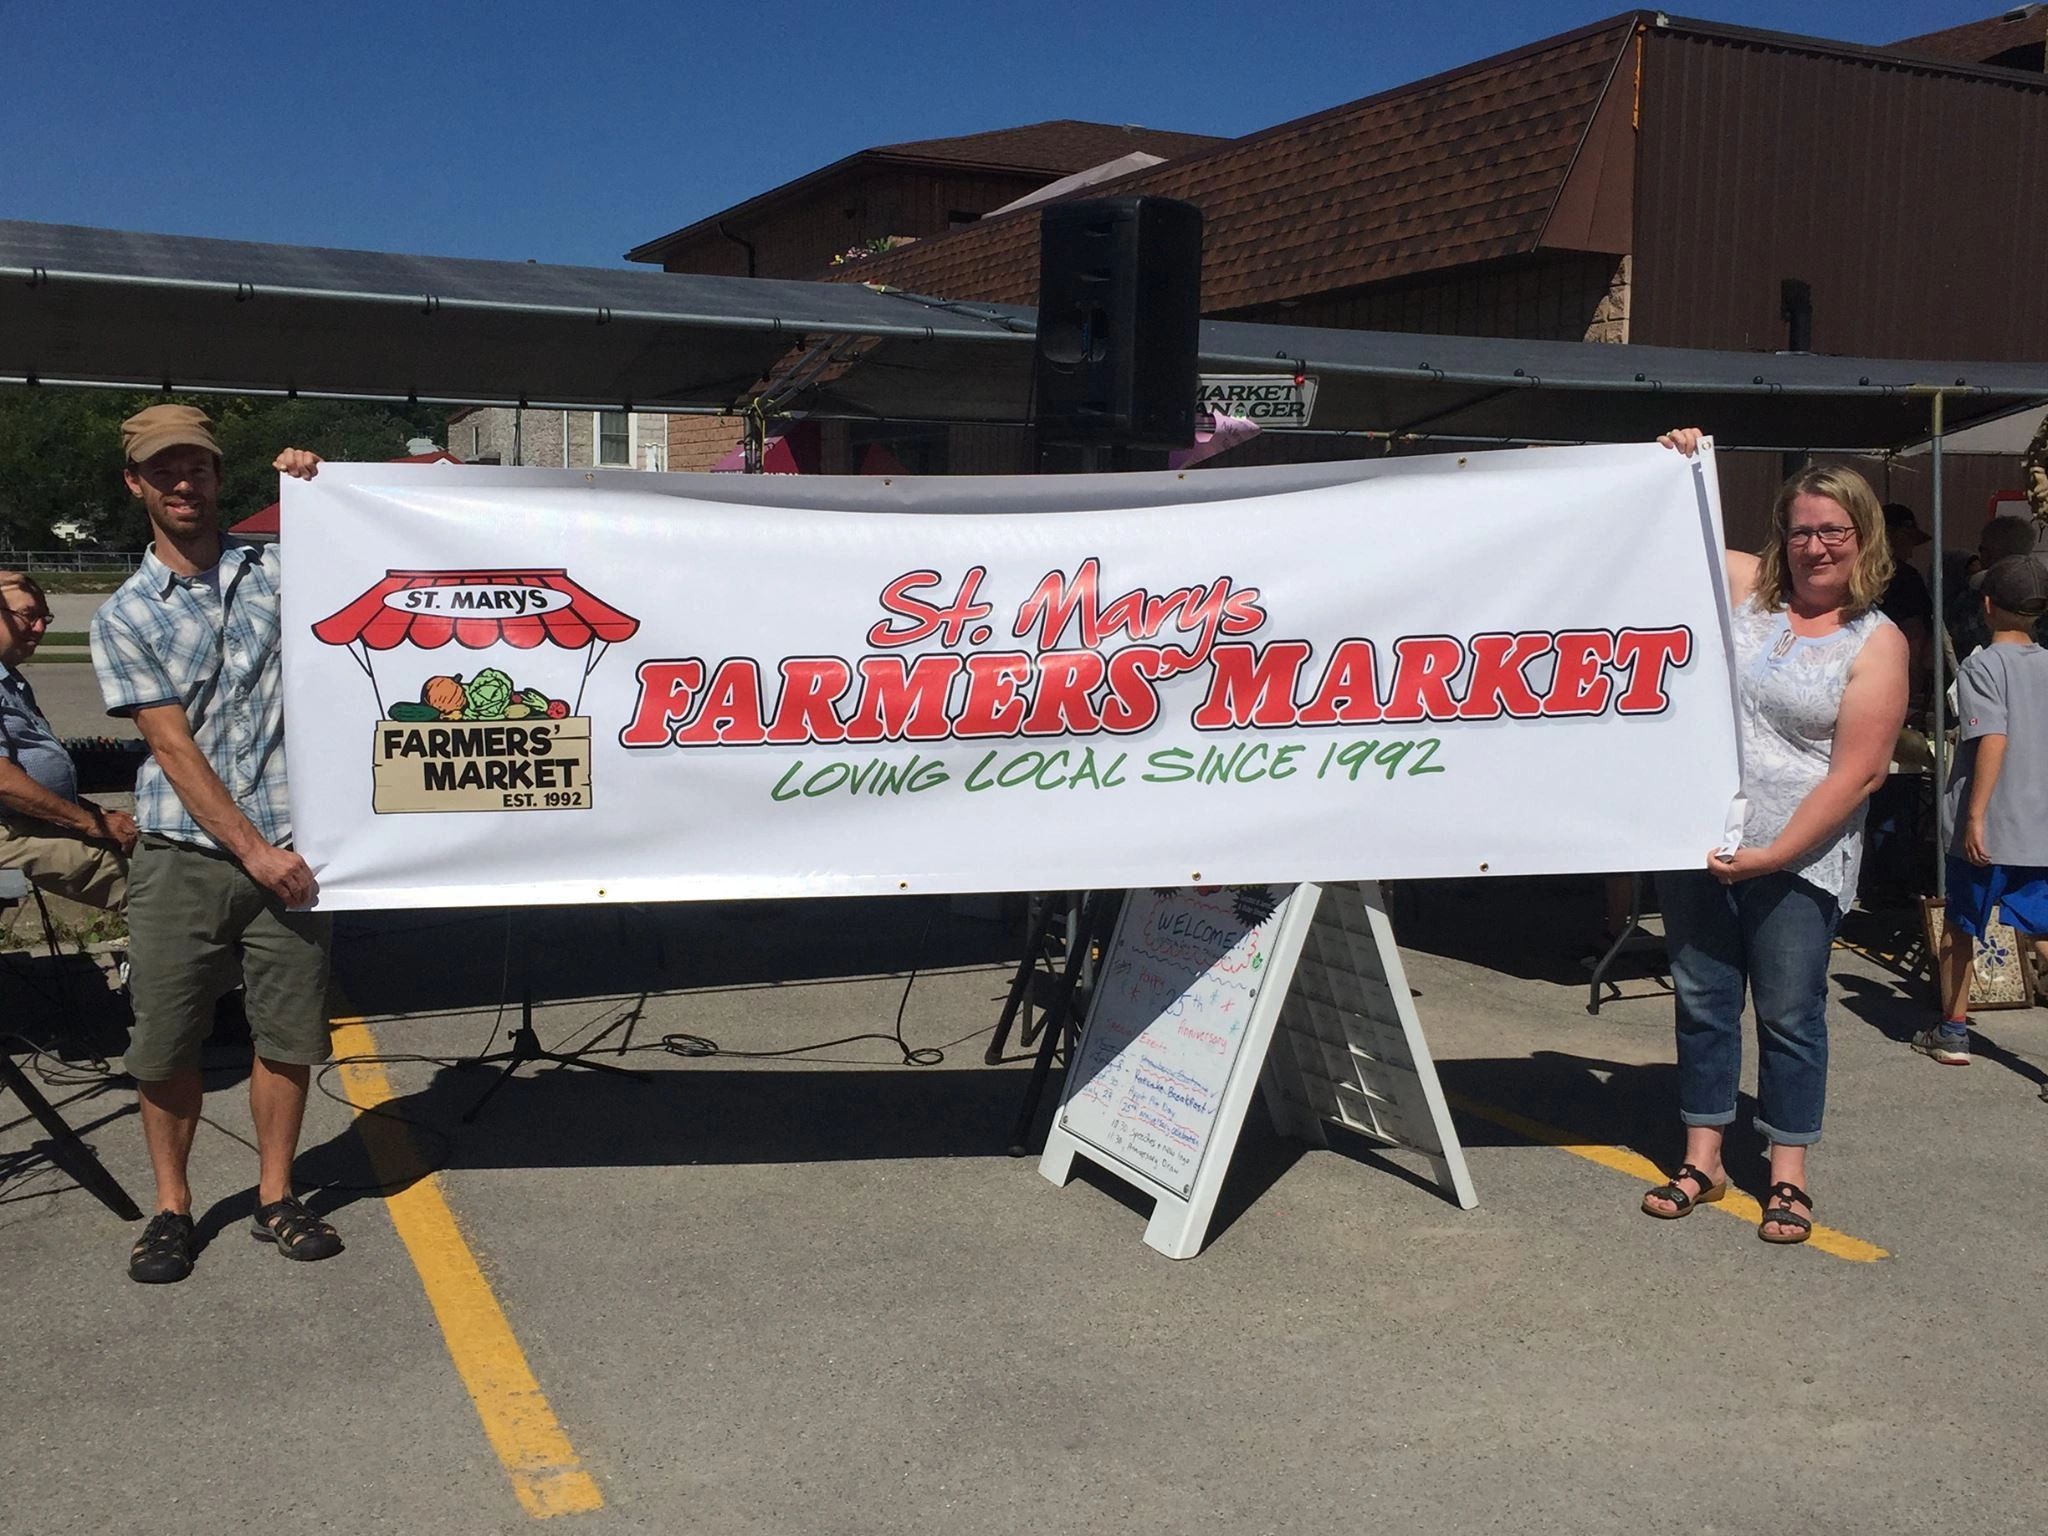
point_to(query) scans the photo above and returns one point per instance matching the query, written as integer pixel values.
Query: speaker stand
(1060, 1031)
(526, 1047)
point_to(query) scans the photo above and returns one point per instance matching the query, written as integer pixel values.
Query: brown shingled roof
(1063, 146)
(1462, 167)
(1051, 149)
(1986, 42)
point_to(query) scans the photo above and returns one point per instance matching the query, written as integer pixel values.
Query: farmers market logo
(511, 735)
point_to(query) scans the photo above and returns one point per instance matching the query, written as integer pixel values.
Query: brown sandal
(1708, 1193)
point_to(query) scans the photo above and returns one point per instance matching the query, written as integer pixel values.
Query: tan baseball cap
(148, 433)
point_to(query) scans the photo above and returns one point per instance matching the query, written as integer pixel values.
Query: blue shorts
(1974, 889)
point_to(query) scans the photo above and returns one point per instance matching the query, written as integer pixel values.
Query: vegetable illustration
(447, 695)
(490, 695)
(489, 692)
(422, 611)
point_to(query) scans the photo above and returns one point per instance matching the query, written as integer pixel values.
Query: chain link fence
(110, 562)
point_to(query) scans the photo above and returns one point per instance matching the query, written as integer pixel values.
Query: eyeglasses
(29, 616)
(1833, 537)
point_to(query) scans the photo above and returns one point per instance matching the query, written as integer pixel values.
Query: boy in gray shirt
(1997, 792)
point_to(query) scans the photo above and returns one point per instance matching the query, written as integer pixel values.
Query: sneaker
(1949, 1047)
(163, 1254)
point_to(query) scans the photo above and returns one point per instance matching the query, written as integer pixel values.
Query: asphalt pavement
(62, 674)
(811, 1293)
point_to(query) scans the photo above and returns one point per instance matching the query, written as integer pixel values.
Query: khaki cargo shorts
(197, 924)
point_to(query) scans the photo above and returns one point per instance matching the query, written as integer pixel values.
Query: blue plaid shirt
(27, 741)
(168, 639)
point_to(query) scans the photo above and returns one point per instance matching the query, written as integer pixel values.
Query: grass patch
(27, 930)
(66, 637)
(40, 660)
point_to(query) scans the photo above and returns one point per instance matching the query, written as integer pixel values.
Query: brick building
(888, 196)
(503, 434)
(901, 192)
(1645, 179)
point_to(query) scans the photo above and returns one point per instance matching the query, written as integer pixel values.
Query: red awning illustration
(379, 627)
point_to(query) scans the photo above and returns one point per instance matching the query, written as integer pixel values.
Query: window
(476, 442)
(614, 439)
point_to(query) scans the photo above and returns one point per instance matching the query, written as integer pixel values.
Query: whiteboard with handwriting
(1168, 1020)
(1196, 989)
(1178, 1024)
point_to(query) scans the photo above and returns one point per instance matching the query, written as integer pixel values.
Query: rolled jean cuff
(1787, 1138)
(1724, 1117)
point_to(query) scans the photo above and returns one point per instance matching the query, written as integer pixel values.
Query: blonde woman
(1821, 676)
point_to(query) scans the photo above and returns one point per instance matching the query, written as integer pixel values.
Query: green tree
(60, 459)
(60, 453)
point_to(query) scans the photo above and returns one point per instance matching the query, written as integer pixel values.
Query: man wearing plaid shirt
(188, 647)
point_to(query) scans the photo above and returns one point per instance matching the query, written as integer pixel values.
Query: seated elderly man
(65, 845)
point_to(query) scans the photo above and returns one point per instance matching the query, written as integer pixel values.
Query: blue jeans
(1776, 934)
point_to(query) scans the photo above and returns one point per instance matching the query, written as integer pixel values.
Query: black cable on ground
(64, 1074)
(679, 1044)
(913, 1056)
(432, 1165)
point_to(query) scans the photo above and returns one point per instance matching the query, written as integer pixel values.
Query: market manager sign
(553, 686)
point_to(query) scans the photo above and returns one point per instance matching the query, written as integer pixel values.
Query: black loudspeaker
(1119, 316)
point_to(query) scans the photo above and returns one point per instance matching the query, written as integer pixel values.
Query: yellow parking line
(1734, 1203)
(545, 1471)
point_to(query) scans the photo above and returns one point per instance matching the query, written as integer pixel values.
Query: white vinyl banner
(528, 686)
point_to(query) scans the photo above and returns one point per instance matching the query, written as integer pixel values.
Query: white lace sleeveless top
(1791, 690)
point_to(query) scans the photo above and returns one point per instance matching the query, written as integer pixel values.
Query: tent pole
(755, 427)
(1941, 826)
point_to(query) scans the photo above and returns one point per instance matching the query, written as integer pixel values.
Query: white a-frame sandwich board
(1205, 993)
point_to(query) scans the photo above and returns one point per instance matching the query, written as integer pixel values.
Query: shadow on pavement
(564, 1118)
(60, 1004)
(1984, 1048)
(1596, 1103)
(448, 960)
(1885, 1008)
(45, 1167)
(1535, 928)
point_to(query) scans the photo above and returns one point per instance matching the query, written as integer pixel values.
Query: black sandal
(298, 1233)
(1778, 1210)
(163, 1254)
(1709, 1192)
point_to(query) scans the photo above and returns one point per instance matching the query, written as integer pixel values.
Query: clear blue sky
(569, 132)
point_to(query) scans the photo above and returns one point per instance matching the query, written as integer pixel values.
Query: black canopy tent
(94, 307)
(100, 307)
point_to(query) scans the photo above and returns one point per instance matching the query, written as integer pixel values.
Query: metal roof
(103, 306)
(99, 307)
